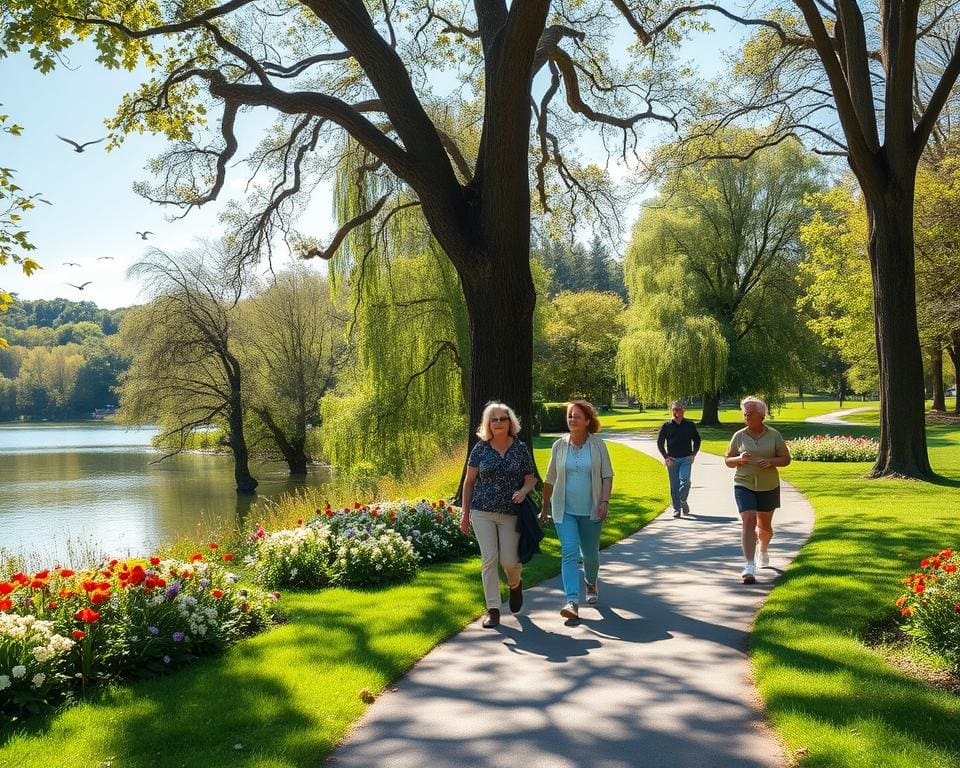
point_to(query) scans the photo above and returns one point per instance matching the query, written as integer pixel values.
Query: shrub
(372, 558)
(124, 619)
(553, 417)
(834, 448)
(295, 557)
(931, 606)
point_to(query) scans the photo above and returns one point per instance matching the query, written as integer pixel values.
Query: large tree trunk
(711, 411)
(292, 449)
(501, 307)
(936, 364)
(246, 483)
(903, 445)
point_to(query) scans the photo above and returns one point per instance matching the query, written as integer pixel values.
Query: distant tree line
(62, 361)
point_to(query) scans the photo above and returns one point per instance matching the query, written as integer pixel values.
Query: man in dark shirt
(678, 442)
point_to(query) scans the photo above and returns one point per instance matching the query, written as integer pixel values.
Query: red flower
(5, 603)
(100, 596)
(66, 573)
(113, 563)
(87, 615)
(65, 592)
(38, 584)
(950, 568)
(299, 521)
(52, 605)
(956, 608)
(88, 585)
(245, 607)
(920, 586)
(154, 561)
(6, 588)
(213, 545)
(946, 554)
(442, 503)
(196, 557)
(328, 512)
(217, 593)
(925, 562)
(78, 634)
(357, 505)
(45, 574)
(227, 556)
(137, 576)
(21, 578)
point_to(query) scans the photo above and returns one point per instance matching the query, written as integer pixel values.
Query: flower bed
(834, 448)
(931, 606)
(366, 545)
(62, 631)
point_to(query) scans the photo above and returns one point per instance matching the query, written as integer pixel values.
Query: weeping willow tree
(712, 275)
(405, 402)
(668, 350)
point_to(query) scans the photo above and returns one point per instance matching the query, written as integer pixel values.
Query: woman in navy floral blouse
(500, 473)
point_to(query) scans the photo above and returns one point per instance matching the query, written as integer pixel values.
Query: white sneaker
(570, 611)
(763, 559)
(749, 574)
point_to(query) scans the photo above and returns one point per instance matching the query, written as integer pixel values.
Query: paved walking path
(837, 417)
(655, 675)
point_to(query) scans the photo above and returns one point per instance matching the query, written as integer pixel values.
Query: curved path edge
(836, 417)
(655, 675)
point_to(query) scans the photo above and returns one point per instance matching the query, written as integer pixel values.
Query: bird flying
(70, 264)
(81, 286)
(79, 147)
(104, 258)
(143, 235)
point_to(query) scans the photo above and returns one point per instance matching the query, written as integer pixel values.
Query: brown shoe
(492, 619)
(516, 597)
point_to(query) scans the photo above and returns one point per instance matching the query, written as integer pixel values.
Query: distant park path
(837, 417)
(656, 675)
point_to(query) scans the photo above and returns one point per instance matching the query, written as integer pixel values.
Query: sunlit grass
(288, 696)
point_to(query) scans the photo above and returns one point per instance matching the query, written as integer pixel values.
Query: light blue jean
(679, 472)
(578, 535)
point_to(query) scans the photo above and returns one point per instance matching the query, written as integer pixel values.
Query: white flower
(19, 671)
(38, 679)
(5, 682)
(41, 653)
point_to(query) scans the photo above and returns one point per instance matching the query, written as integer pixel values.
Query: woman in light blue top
(577, 490)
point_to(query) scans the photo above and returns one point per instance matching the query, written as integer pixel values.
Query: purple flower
(204, 583)
(173, 590)
(166, 659)
(178, 637)
(153, 630)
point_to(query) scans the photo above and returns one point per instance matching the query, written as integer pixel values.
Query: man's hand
(667, 461)
(465, 524)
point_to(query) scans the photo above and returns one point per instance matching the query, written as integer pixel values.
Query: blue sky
(94, 211)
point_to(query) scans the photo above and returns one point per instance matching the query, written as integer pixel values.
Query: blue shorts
(756, 501)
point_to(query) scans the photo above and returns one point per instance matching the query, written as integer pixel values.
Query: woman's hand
(762, 462)
(465, 523)
(744, 457)
(519, 496)
(602, 509)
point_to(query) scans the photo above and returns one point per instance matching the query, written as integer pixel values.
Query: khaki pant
(498, 538)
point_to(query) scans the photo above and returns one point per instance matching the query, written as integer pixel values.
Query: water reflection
(95, 483)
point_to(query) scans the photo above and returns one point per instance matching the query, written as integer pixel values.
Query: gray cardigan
(557, 469)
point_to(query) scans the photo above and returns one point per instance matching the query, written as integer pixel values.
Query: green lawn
(289, 695)
(830, 698)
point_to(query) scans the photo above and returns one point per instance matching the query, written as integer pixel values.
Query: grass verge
(285, 698)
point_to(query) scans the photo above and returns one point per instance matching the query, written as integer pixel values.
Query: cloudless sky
(94, 211)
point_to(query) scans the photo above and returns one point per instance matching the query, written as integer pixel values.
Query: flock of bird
(79, 147)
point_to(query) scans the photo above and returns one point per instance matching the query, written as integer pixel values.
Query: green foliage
(552, 417)
(931, 606)
(711, 273)
(404, 403)
(838, 295)
(577, 358)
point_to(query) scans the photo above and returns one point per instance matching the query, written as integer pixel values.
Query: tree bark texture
(711, 411)
(903, 446)
(936, 366)
(246, 483)
(954, 351)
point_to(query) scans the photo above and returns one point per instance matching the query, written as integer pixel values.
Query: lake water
(93, 485)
